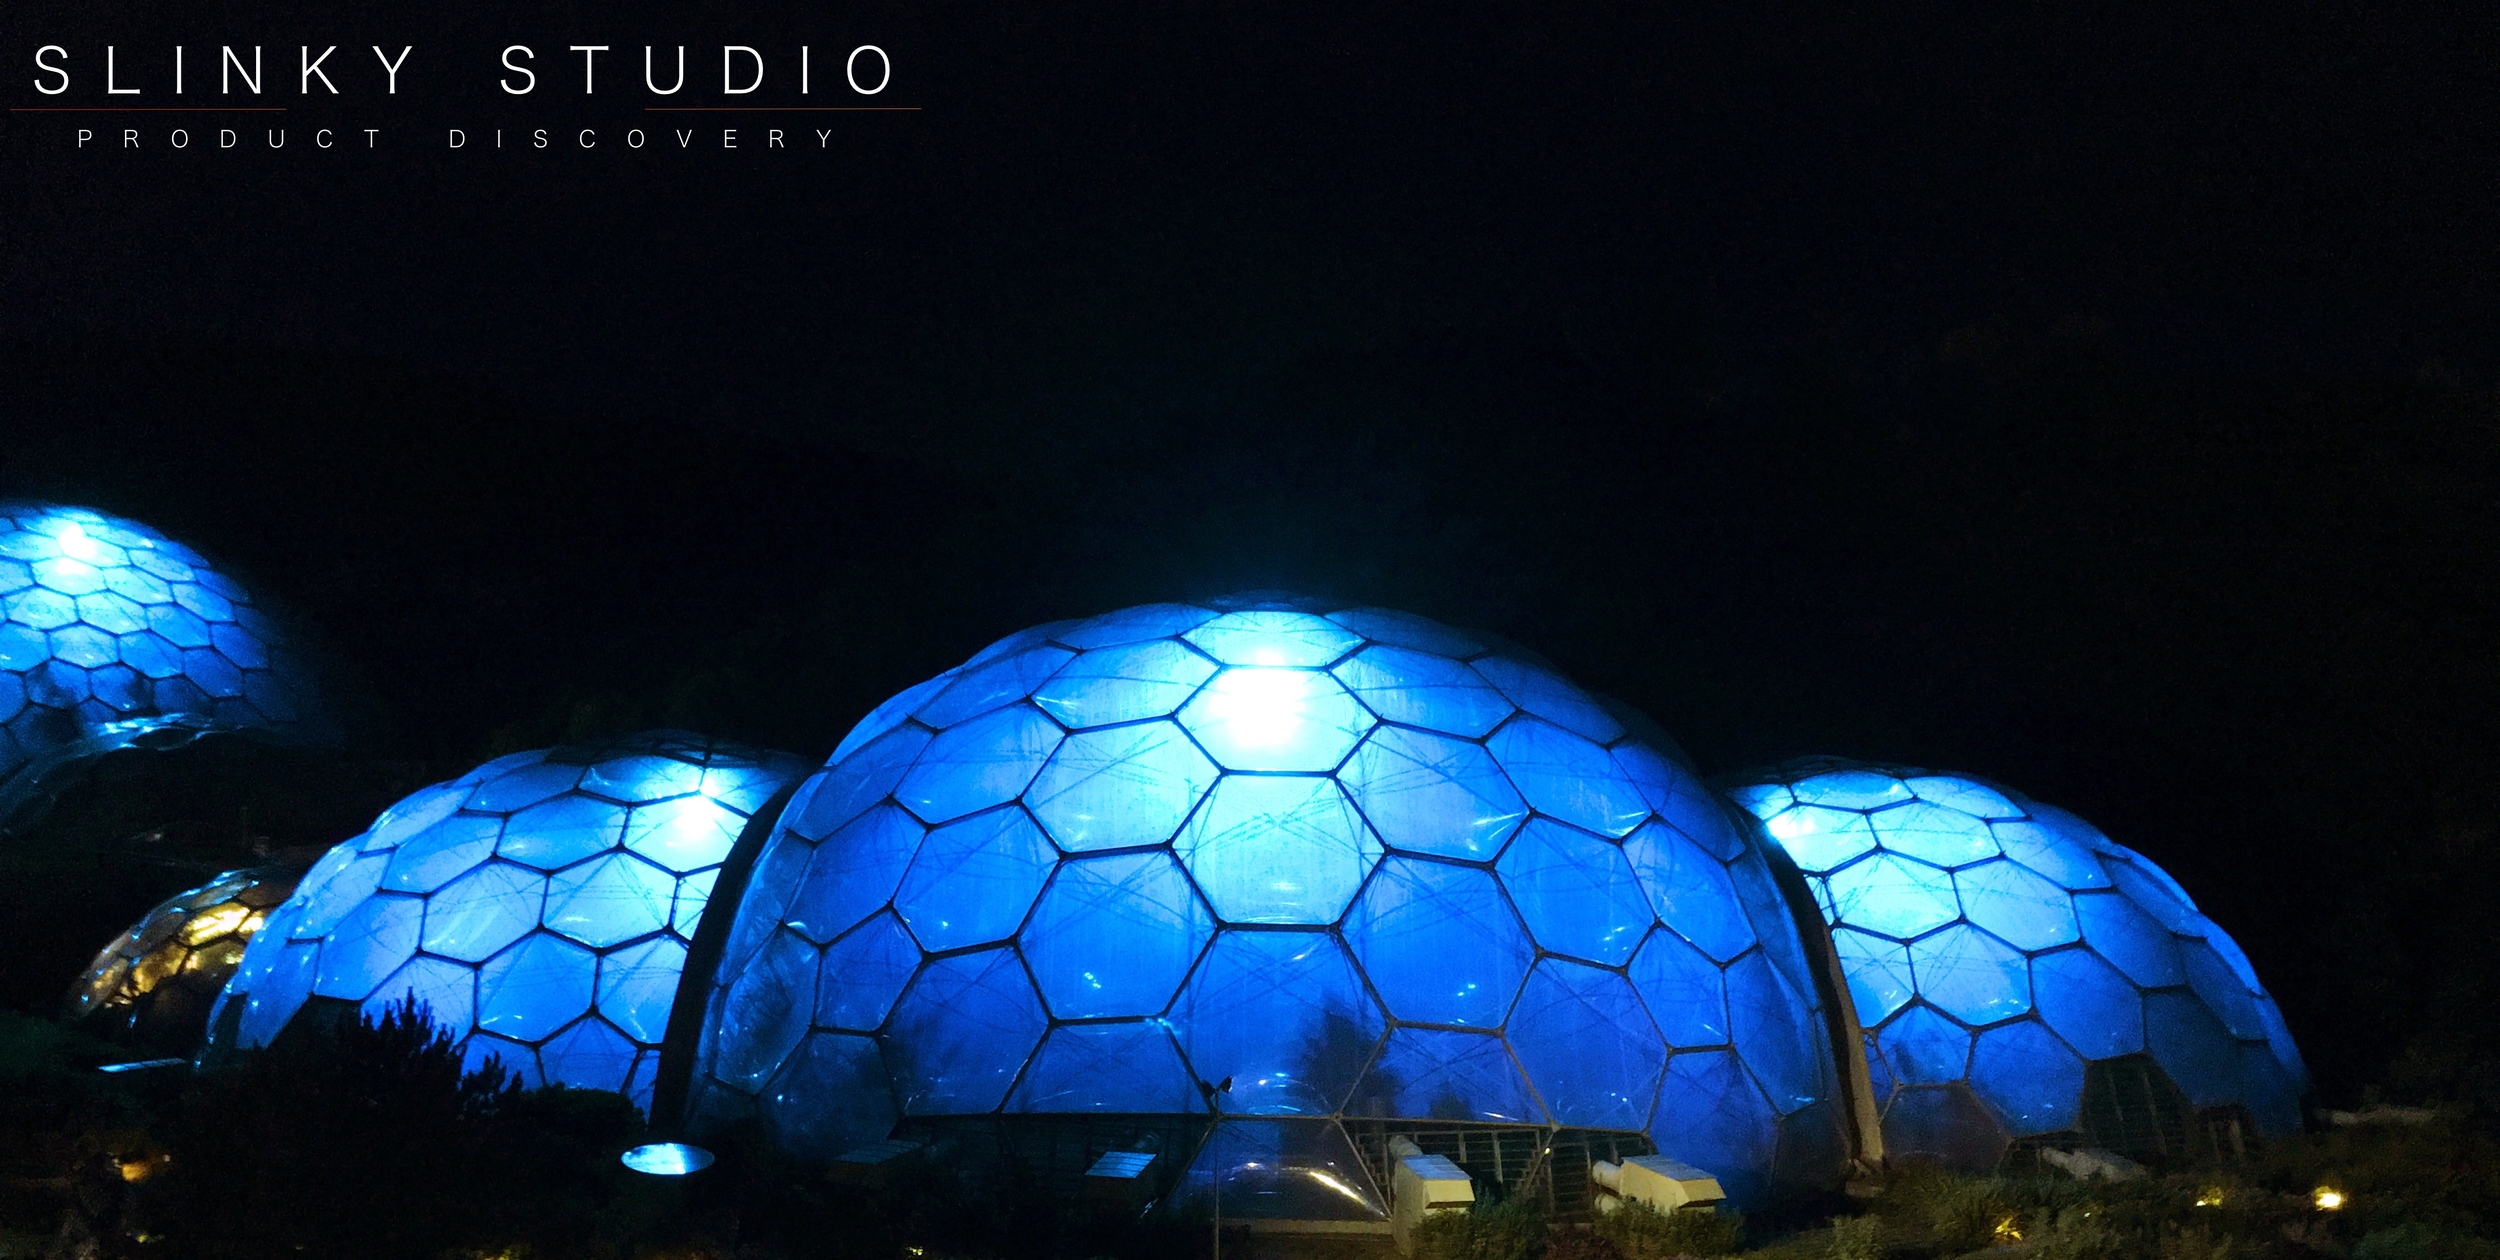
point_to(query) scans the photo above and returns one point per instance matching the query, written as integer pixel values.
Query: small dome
(155, 983)
(541, 906)
(1350, 861)
(2000, 953)
(113, 634)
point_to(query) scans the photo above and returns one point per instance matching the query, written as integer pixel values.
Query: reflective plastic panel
(112, 634)
(1995, 947)
(1356, 863)
(540, 907)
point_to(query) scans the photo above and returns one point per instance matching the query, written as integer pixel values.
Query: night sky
(2100, 398)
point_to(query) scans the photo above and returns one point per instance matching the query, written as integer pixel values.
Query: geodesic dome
(541, 906)
(114, 632)
(2000, 953)
(156, 982)
(1358, 865)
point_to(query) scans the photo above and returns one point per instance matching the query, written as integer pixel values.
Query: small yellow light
(2212, 1197)
(2008, 1232)
(2329, 1200)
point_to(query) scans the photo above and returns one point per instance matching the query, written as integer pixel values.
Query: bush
(1641, 1232)
(1957, 1214)
(1856, 1238)
(2421, 1241)
(1491, 1231)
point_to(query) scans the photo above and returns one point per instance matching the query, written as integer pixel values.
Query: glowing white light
(1260, 707)
(1329, 1179)
(75, 544)
(667, 1159)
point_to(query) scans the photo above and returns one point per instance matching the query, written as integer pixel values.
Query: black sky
(2099, 397)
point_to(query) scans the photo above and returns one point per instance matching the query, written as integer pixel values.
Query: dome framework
(2016, 975)
(1361, 868)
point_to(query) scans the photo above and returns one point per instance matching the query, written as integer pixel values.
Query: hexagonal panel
(766, 1010)
(1683, 990)
(1261, 637)
(2129, 938)
(555, 834)
(1878, 971)
(863, 973)
(1406, 630)
(477, 915)
(1134, 625)
(637, 987)
(1447, 1074)
(440, 853)
(1439, 942)
(1779, 1034)
(1278, 849)
(685, 834)
(1123, 684)
(1973, 976)
(1819, 839)
(1587, 1043)
(1420, 689)
(1434, 794)
(1128, 1068)
(2025, 909)
(1541, 692)
(984, 762)
(973, 880)
(1284, 1014)
(609, 901)
(985, 686)
(1896, 896)
(856, 871)
(1114, 935)
(1112, 789)
(826, 1067)
(1690, 890)
(369, 944)
(2088, 1003)
(1577, 893)
(1275, 719)
(961, 1032)
(1712, 1116)
(535, 988)
(1933, 834)
(1565, 776)
(1922, 1047)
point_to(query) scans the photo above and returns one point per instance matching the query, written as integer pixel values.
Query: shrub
(1641, 1232)
(1579, 1244)
(1856, 1238)
(2417, 1241)
(1490, 1231)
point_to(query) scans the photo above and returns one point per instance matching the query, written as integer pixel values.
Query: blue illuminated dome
(541, 906)
(113, 632)
(1359, 865)
(2019, 974)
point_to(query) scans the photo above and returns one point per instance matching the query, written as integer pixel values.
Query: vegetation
(367, 1138)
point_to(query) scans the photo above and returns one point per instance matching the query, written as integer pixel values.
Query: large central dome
(1357, 864)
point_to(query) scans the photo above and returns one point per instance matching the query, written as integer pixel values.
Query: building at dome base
(113, 635)
(1260, 886)
(540, 906)
(2020, 976)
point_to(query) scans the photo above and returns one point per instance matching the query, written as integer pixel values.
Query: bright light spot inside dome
(1330, 1180)
(667, 1159)
(75, 544)
(2329, 1200)
(1262, 707)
